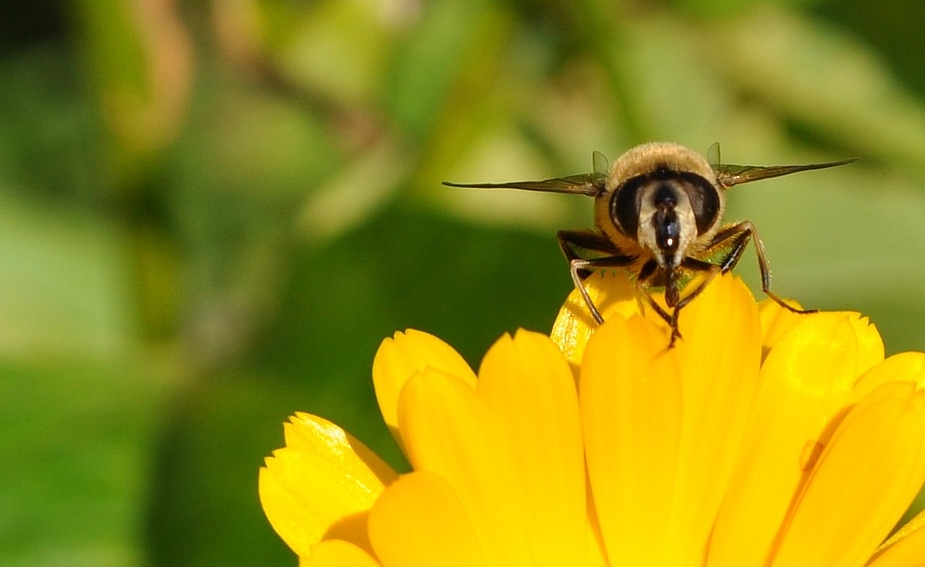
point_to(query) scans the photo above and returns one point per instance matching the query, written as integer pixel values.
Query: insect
(659, 214)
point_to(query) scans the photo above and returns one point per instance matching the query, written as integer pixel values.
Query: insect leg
(670, 318)
(677, 304)
(733, 237)
(737, 236)
(696, 265)
(647, 271)
(580, 268)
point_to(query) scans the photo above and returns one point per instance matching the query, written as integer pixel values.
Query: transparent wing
(714, 157)
(591, 184)
(728, 175)
(601, 165)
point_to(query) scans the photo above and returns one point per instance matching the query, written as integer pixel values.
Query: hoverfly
(659, 214)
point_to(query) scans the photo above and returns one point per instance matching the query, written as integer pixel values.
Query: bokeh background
(211, 213)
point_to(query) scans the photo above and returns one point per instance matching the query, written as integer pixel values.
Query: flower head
(762, 438)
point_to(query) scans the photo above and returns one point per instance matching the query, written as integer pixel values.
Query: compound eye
(704, 199)
(626, 204)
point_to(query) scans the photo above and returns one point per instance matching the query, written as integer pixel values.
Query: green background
(212, 213)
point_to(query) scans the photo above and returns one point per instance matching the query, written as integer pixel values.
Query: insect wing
(590, 184)
(714, 157)
(601, 165)
(728, 175)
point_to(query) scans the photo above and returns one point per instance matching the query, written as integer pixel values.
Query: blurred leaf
(309, 43)
(728, 8)
(141, 64)
(231, 185)
(51, 141)
(61, 279)
(453, 38)
(893, 32)
(681, 101)
(243, 143)
(356, 193)
(76, 439)
(203, 508)
(825, 80)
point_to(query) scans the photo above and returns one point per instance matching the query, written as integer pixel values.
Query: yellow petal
(401, 357)
(719, 356)
(868, 473)
(805, 381)
(870, 343)
(528, 386)
(663, 426)
(337, 553)
(612, 294)
(905, 366)
(448, 430)
(776, 321)
(905, 548)
(420, 522)
(630, 392)
(321, 485)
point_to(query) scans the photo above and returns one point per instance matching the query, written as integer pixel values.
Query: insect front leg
(737, 236)
(571, 241)
(646, 272)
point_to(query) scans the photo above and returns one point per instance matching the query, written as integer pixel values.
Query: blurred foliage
(211, 214)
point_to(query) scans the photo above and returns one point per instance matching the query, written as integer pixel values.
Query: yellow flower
(762, 438)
